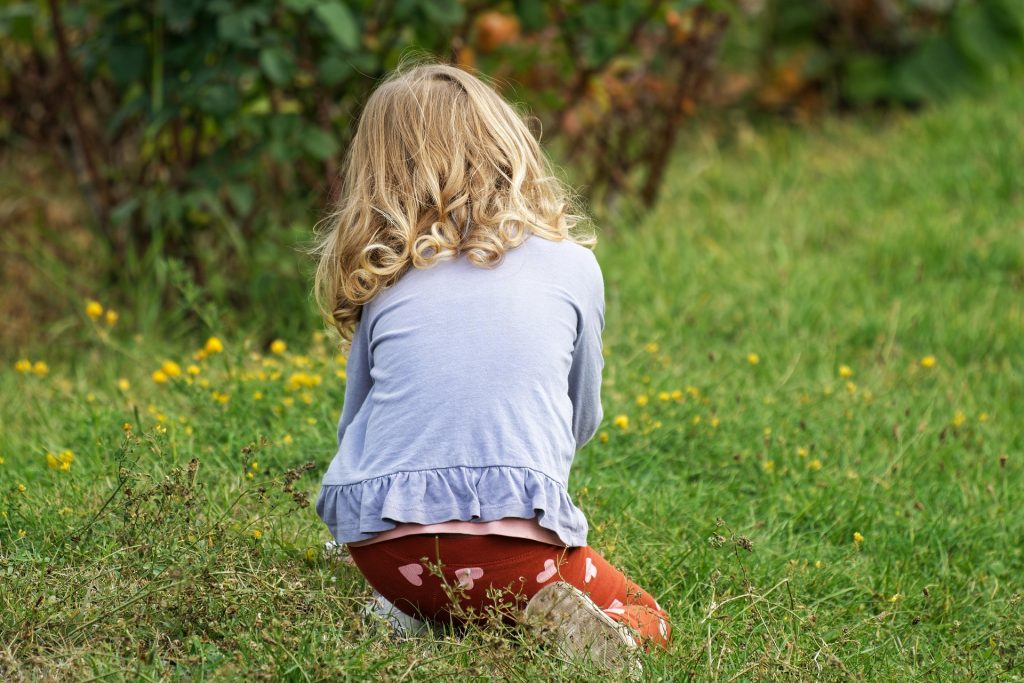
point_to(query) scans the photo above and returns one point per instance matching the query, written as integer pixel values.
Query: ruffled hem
(357, 512)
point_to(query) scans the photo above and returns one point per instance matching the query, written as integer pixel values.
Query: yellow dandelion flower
(170, 368)
(66, 456)
(288, 401)
(200, 355)
(203, 382)
(664, 396)
(123, 384)
(959, 418)
(621, 421)
(250, 475)
(642, 400)
(677, 395)
(342, 375)
(51, 461)
(851, 388)
(159, 376)
(768, 466)
(287, 439)
(213, 345)
(257, 395)
(278, 347)
(311, 421)
(257, 534)
(818, 564)
(858, 537)
(21, 488)
(24, 366)
(753, 358)
(802, 452)
(714, 422)
(928, 362)
(254, 464)
(127, 426)
(651, 347)
(40, 368)
(192, 370)
(696, 419)
(845, 371)
(814, 465)
(603, 437)
(94, 309)
(21, 533)
(111, 318)
(694, 392)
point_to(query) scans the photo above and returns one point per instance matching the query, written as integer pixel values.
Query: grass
(185, 548)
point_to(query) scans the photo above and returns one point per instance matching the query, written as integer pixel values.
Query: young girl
(474, 373)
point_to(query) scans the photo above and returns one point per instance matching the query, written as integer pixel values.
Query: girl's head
(440, 165)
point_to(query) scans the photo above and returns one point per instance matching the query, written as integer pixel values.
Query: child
(474, 373)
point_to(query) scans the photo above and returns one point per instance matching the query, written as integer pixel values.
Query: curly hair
(440, 166)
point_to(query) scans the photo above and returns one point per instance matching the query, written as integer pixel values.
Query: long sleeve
(588, 362)
(357, 376)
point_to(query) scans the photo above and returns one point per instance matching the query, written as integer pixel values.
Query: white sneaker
(403, 625)
(566, 616)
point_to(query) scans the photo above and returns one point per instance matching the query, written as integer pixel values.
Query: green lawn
(775, 266)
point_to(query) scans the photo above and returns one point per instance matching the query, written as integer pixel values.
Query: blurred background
(170, 158)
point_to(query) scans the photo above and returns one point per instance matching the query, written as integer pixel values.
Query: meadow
(812, 452)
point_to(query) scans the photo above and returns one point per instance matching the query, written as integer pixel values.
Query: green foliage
(894, 51)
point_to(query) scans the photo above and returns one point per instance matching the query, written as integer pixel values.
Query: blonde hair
(440, 165)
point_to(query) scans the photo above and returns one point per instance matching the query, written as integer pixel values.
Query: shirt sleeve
(357, 376)
(588, 361)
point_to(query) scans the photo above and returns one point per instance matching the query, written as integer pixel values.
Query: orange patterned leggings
(456, 577)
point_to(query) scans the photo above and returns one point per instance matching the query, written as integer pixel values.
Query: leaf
(318, 143)
(278, 64)
(332, 70)
(445, 12)
(127, 63)
(531, 14)
(340, 24)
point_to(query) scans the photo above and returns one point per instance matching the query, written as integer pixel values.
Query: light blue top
(469, 392)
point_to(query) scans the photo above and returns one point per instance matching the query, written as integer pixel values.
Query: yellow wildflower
(982, 417)
(802, 452)
(959, 418)
(342, 375)
(278, 347)
(641, 400)
(93, 309)
(257, 534)
(40, 368)
(21, 488)
(603, 437)
(21, 533)
(250, 475)
(814, 465)
(288, 401)
(753, 358)
(51, 461)
(111, 318)
(845, 371)
(311, 421)
(851, 388)
(170, 368)
(818, 564)
(23, 366)
(693, 391)
(254, 464)
(213, 345)
(123, 384)
(858, 537)
(621, 421)
(715, 422)
(664, 396)
(696, 419)
(651, 347)
(127, 426)
(768, 466)
(159, 376)
(287, 439)
(928, 362)
(257, 395)
(192, 370)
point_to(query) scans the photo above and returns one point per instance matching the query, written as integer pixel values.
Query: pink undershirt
(510, 526)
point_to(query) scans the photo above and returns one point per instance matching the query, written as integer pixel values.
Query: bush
(199, 128)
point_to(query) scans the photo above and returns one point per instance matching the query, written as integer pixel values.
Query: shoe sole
(564, 615)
